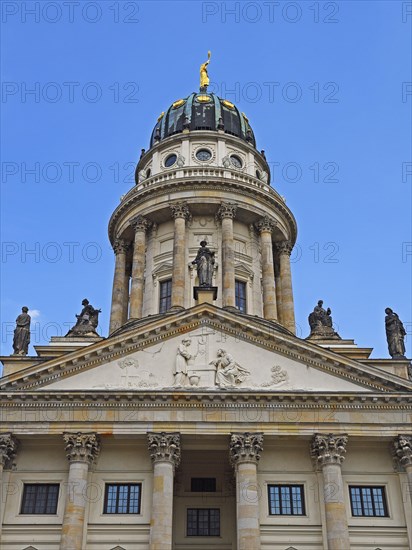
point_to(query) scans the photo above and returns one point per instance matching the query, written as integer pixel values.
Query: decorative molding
(226, 210)
(8, 448)
(245, 447)
(81, 447)
(402, 450)
(140, 223)
(180, 210)
(284, 247)
(278, 376)
(164, 447)
(120, 246)
(266, 224)
(210, 147)
(329, 448)
(162, 271)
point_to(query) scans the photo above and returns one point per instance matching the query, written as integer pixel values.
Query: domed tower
(202, 180)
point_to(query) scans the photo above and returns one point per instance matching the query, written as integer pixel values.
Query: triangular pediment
(259, 357)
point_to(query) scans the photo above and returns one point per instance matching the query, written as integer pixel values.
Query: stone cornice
(259, 333)
(245, 447)
(329, 448)
(8, 448)
(268, 199)
(402, 450)
(164, 447)
(81, 447)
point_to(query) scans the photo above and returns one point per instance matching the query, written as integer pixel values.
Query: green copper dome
(202, 111)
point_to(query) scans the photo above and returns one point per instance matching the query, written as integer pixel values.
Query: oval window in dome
(236, 161)
(203, 155)
(170, 160)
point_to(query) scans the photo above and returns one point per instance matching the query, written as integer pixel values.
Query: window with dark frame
(203, 485)
(368, 501)
(165, 302)
(122, 498)
(240, 295)
(203, 522)
(286, 500)
(40, 498)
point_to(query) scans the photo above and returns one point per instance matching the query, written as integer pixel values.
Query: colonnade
(245, 449)
(277, 295)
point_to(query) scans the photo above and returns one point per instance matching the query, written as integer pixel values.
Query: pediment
(263, 358)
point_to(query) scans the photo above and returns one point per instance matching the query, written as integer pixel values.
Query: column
(402, 452)
(284, 249)
(278, 285)
(164, 451)
(328, 450)
(245, 450)
(120, 293)
(226, 213)
(265, 227)
(82, 450)
(8, 450)
(180, 213)
(140, 225)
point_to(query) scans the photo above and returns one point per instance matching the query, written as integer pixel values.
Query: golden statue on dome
(204, 77)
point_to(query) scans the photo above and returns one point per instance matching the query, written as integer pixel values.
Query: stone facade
(266, 440)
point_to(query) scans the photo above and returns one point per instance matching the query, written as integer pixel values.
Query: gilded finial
(204, 77)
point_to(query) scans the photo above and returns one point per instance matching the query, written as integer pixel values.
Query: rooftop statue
(321, 324)
(87, 321)
(204, 77)
(204, 262)
(21, 338)
(395, 334)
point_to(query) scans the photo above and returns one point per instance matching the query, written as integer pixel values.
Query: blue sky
(324, 85)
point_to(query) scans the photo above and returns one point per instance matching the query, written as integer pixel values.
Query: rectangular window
(240, 296)
(122, 498)
(165, 296)
(286, 500)
(203, 485)
(368, 501)
(203, 522)
(40, 498)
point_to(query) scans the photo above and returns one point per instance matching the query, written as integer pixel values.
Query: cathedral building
(202, 421)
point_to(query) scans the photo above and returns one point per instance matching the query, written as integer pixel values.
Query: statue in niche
(228, 372)
(395, 334)
(182, 360)
(321, 324)
(205, 261)
(87, 321)
(21, 339)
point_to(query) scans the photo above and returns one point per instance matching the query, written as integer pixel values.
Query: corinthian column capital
(82, 447)
(402, 450)
(284, 247)
(245, 447)
(164, 447)
(8, 447)
(140, 223)
(266, 224)
(329, 448)
(120, 245)
(180, 210)
(226, 210)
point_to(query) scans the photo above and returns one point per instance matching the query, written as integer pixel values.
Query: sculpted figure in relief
(182, 358)
(228, 372)
(21, 338)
